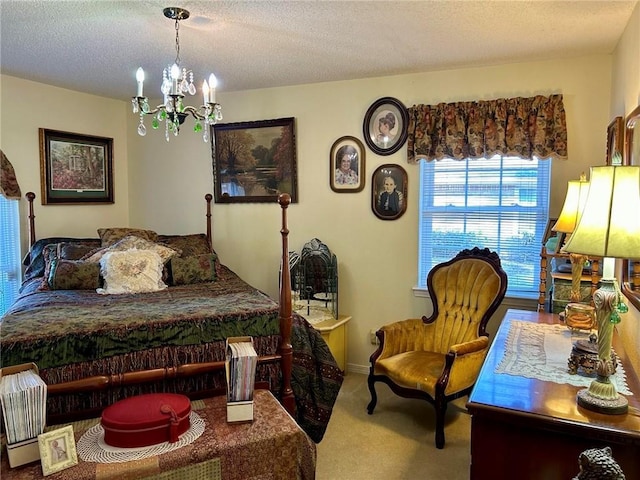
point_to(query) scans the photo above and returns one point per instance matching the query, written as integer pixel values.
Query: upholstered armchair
(438, 358)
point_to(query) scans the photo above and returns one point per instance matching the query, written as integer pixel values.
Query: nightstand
(334, 332)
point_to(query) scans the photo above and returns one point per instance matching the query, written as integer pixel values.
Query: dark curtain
(9, 187)
(521, 127)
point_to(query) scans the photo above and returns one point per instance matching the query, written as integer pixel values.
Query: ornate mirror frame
(631, 269)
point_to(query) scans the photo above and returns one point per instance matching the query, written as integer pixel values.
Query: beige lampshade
(610, 222)
(577, 191)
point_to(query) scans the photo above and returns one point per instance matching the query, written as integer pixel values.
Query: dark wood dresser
(531, 429)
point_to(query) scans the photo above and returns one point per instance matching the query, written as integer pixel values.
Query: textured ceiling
(96, 46)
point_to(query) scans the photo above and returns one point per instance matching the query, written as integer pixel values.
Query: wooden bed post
(208, 198)
(285, 349)
(32, 225)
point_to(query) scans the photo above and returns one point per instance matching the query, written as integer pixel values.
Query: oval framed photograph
(346, 165)
(385, 126)
(389, 191)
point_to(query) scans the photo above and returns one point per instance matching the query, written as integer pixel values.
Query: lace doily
(541, 351)
(91, 446)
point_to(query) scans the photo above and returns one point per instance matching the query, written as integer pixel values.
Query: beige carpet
(397, 442)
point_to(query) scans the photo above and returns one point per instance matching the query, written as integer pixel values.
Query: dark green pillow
(73, 275)
(194, 269)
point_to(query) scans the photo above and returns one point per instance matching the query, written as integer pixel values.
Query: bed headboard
(30, 196)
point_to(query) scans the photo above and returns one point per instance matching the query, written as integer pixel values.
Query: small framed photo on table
(57, 450)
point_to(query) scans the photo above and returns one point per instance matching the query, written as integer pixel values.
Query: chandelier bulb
(213, 83)
(205, 92)
(175, 72)
(140, 79)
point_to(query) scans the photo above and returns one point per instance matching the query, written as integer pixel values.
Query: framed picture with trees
(254, 161)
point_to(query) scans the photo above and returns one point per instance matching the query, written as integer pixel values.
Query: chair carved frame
(441, 400)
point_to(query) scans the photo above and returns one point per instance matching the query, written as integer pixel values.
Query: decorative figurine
(598, 464)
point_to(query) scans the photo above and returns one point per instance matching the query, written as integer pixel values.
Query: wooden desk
(272, 446)
(531, 429)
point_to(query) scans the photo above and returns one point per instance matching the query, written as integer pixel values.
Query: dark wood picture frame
(631, 268)
(254, 161)
(389, 205)
(549, 233)
(347, 178)
(75, 168)
(389, 113)
(615, 142)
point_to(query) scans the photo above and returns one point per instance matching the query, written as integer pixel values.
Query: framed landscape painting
(75, 168)
(254, 161)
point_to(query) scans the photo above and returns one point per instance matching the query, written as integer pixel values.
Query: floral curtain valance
(520, 127)
(9, 187)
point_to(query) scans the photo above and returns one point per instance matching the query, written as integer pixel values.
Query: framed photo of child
(389, 187)
(57, 450)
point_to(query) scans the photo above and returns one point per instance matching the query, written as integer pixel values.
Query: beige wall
(28, 106)
(377, 259)
(625, 96)
(161, 185)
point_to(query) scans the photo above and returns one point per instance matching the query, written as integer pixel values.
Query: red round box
(146, 420)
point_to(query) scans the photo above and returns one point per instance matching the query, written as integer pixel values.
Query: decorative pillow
(194, 269)
(132, 242)
(131, 271)
(34, 260)
(73, 275)
(52, 254)
(189, 245)
(109, 236)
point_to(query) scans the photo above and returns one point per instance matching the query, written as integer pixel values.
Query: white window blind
(499, 203)
(10, 269)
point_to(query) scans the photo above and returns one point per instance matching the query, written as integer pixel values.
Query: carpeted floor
(395, 443)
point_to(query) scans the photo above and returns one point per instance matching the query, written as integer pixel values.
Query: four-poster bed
(94, 349)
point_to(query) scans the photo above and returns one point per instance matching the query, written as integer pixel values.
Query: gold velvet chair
(438, 358)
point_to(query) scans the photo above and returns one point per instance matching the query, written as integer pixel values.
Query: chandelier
(176, 82)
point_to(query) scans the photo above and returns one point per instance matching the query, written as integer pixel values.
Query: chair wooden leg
(374, 397)
(441, 408)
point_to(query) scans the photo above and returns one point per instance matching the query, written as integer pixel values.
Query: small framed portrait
(75, 168)
(385, 126)
(346, 165)
(615, 141)
(389, 187)
(57, 450)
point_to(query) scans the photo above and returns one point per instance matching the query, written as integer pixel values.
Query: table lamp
(569, 216)
(609, 228)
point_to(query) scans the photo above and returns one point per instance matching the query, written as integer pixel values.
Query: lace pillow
(131, 271)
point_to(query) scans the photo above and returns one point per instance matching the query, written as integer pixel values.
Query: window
(10, 269)
(500, 203)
